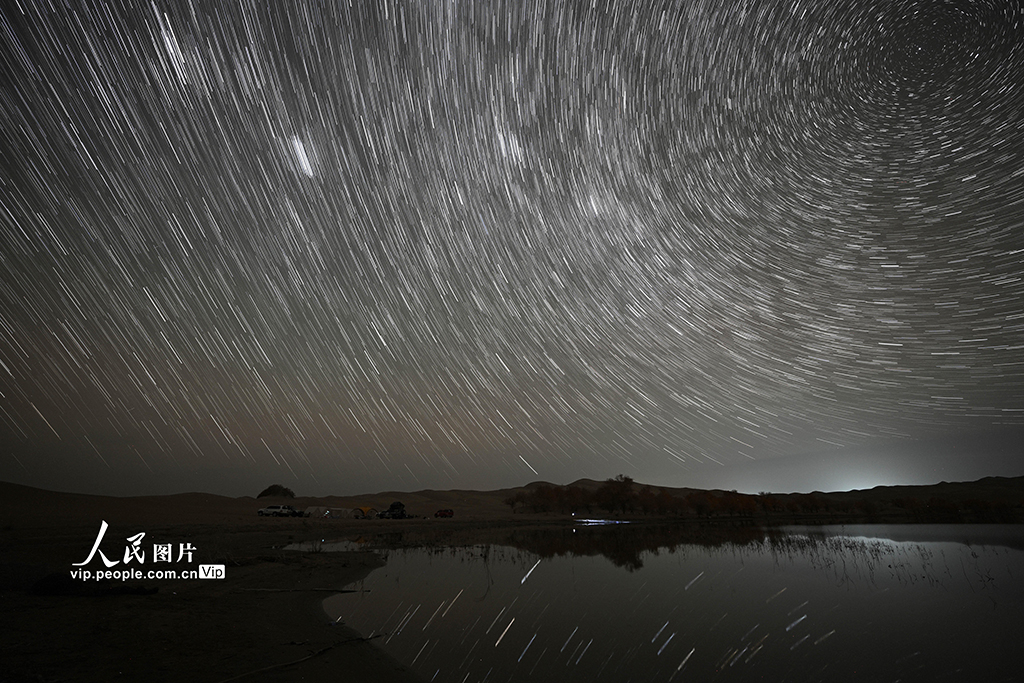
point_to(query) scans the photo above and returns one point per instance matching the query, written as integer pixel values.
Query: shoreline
(263, 622)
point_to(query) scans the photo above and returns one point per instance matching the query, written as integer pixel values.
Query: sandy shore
(263, 622)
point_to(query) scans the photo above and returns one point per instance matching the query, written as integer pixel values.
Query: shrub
(277, 491)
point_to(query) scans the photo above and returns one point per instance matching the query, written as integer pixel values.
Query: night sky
(356, 246)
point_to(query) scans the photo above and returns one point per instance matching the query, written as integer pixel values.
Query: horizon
(460, 245)
(528, 484)
(915, 464)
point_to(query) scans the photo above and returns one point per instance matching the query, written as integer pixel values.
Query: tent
(364, 512)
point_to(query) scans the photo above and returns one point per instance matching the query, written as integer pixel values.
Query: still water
(646, 604)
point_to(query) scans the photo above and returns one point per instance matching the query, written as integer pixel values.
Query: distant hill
(991, 499)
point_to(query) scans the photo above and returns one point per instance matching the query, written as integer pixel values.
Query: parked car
(447, 512)
(278, 511)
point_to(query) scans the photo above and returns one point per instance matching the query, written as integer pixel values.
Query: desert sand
(262, 622)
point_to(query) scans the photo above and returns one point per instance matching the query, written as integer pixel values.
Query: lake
(648, 603)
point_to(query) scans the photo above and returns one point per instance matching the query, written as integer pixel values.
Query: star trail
(382, 244)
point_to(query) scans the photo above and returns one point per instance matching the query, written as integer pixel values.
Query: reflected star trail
(470, 243)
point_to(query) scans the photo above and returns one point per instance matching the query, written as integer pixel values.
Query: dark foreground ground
(263, 620)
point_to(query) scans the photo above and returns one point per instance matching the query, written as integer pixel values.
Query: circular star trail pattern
(460, 241)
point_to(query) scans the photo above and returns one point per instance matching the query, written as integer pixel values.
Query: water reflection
(622, 543)
(693, 604)
(626, 546)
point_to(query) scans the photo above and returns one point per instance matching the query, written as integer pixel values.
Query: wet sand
(262, 622)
